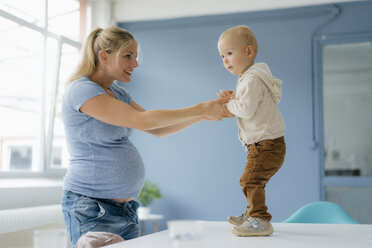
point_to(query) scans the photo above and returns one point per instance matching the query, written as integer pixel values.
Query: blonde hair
(244, 34)
(109, 39)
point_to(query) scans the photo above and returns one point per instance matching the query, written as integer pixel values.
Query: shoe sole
(244, 234)
(233, 222)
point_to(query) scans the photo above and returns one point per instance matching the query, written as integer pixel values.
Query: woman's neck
(101, 79)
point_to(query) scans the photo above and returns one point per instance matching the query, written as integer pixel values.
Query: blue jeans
(83, 214)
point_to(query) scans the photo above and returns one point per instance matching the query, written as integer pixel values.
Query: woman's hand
(215, 110)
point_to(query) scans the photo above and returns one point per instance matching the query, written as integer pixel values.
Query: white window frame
(46, 139)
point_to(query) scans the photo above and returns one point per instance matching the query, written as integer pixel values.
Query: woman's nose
(135, 63)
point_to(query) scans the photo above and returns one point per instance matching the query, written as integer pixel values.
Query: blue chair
(321, 212)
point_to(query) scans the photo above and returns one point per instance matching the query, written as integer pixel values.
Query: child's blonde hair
(109, 39)
(244, 34)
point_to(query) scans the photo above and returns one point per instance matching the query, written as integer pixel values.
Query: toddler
(261, 126)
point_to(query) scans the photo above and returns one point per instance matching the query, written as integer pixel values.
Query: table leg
(143, 228)
(156, 228)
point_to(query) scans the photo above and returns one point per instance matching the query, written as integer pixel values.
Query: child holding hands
(261, 126)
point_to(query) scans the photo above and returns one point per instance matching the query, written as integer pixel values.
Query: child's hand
(230, 94)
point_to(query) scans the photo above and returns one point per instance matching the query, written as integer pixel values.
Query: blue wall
(198, 170)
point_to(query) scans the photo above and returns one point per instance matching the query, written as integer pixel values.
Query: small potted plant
(148, 194)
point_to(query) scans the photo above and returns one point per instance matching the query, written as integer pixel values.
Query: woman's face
(122, 63)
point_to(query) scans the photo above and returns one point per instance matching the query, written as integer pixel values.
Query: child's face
(236, 56)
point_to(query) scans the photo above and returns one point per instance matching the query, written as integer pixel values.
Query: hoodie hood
(274, 85)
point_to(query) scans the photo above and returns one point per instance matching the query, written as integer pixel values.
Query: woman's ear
(250, 51)
(102, 56)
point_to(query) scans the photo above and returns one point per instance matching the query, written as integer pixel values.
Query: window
(19, 155)
(343, 89)
(39, 47)
(347, 102)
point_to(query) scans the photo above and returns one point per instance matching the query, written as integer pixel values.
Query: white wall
(104, 13)
(20, 193)
(138, 10)
(101, 14)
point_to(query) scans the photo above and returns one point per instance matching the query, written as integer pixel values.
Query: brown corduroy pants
(264, 159)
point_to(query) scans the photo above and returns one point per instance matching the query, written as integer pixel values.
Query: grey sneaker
(253, 227)
(238, 220)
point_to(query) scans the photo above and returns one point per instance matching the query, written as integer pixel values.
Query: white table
(286, 235)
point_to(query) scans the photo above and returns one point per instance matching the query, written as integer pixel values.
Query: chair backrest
(321, 212)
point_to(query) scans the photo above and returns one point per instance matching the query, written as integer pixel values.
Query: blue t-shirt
(103, 161)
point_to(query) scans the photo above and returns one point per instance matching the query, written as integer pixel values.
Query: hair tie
(98, 33)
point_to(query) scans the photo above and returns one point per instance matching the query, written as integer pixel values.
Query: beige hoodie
(257, 93)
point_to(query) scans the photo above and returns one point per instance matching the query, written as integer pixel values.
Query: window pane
(57, 157)
(347, 92)
(19, 154)
(51, 66)
(64, 18)
(20, 157)
(31, 11)
(20, 87)
(69, 60)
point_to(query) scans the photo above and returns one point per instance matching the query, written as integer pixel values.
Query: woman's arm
(164, 131)
(115, 112)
